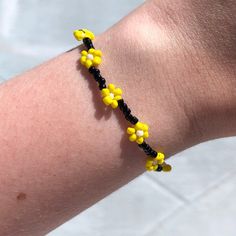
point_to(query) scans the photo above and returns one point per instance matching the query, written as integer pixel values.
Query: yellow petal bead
(132, 137)
(97, 60)
(138, 125)
(91, 50)
(145, 134)
(130, 130)
(84, 53)
(105, 92)
(118, 91)
(148, 163)
(117, 97)
(78, 34)
(98, 53)
(88, 63)
(140, 140)
(83, 60)
(114, 104)
(111, 87)
(160, 156)
(107, 100)
(145, 127)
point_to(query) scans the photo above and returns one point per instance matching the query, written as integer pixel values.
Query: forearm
(62, 152)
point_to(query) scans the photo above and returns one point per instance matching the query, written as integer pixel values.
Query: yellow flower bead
(92, 57)
(83, 33)
(138, 133)
(150, 166)
(111, 95)
(152, 163)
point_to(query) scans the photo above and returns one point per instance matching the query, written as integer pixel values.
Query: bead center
(139, 133)
(90, 56)
(154, 162)
(112, 95)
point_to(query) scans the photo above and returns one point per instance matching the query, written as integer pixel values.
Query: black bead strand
(88, 43)
(122, 105)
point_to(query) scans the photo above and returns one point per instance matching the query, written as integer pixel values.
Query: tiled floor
(197, 198)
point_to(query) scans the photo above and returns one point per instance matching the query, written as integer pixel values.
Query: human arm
(57, 144)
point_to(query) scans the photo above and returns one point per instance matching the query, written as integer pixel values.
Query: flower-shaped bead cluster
(92, 57)
(83, 33)
(152, 163)
(111, 95)
(138, 132)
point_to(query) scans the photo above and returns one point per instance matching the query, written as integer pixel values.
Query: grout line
(188, 203)
(213, 186)
(178, 196)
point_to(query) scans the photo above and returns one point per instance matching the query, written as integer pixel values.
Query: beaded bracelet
(111, 95)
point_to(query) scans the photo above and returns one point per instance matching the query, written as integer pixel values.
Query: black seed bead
(88, 43)
(93, 70)
(142, 145)
(102, 86)
(134, 120)
(153, 153)
(126, 111)
(128, 117)
(100, 80)
(121, 103)
(98, 77)
(159, 168)
(147, 149)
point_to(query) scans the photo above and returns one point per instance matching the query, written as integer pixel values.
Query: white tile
(198, 168)
(213, 214)
(132, 210)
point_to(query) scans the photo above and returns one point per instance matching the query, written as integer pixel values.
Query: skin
(62, 150)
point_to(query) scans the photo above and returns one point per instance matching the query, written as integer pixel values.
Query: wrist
(170, 80)
(134, 60)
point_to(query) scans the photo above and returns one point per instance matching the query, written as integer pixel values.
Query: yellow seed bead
(145, 127)
(145, 134)
(160, 156)
(140, 140)
(107, 100)
(78, 35)
(160, 161)
(97, 60)
(130, 130)
(83, 60)
(105, 92)
(114, 104)
(138, 125)
(132, 137)
(98, 53)
(118, 91)
(111, 87)
(117, 97)
(89, 34)
(84, 53)
(91, 50)
(88, 63)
